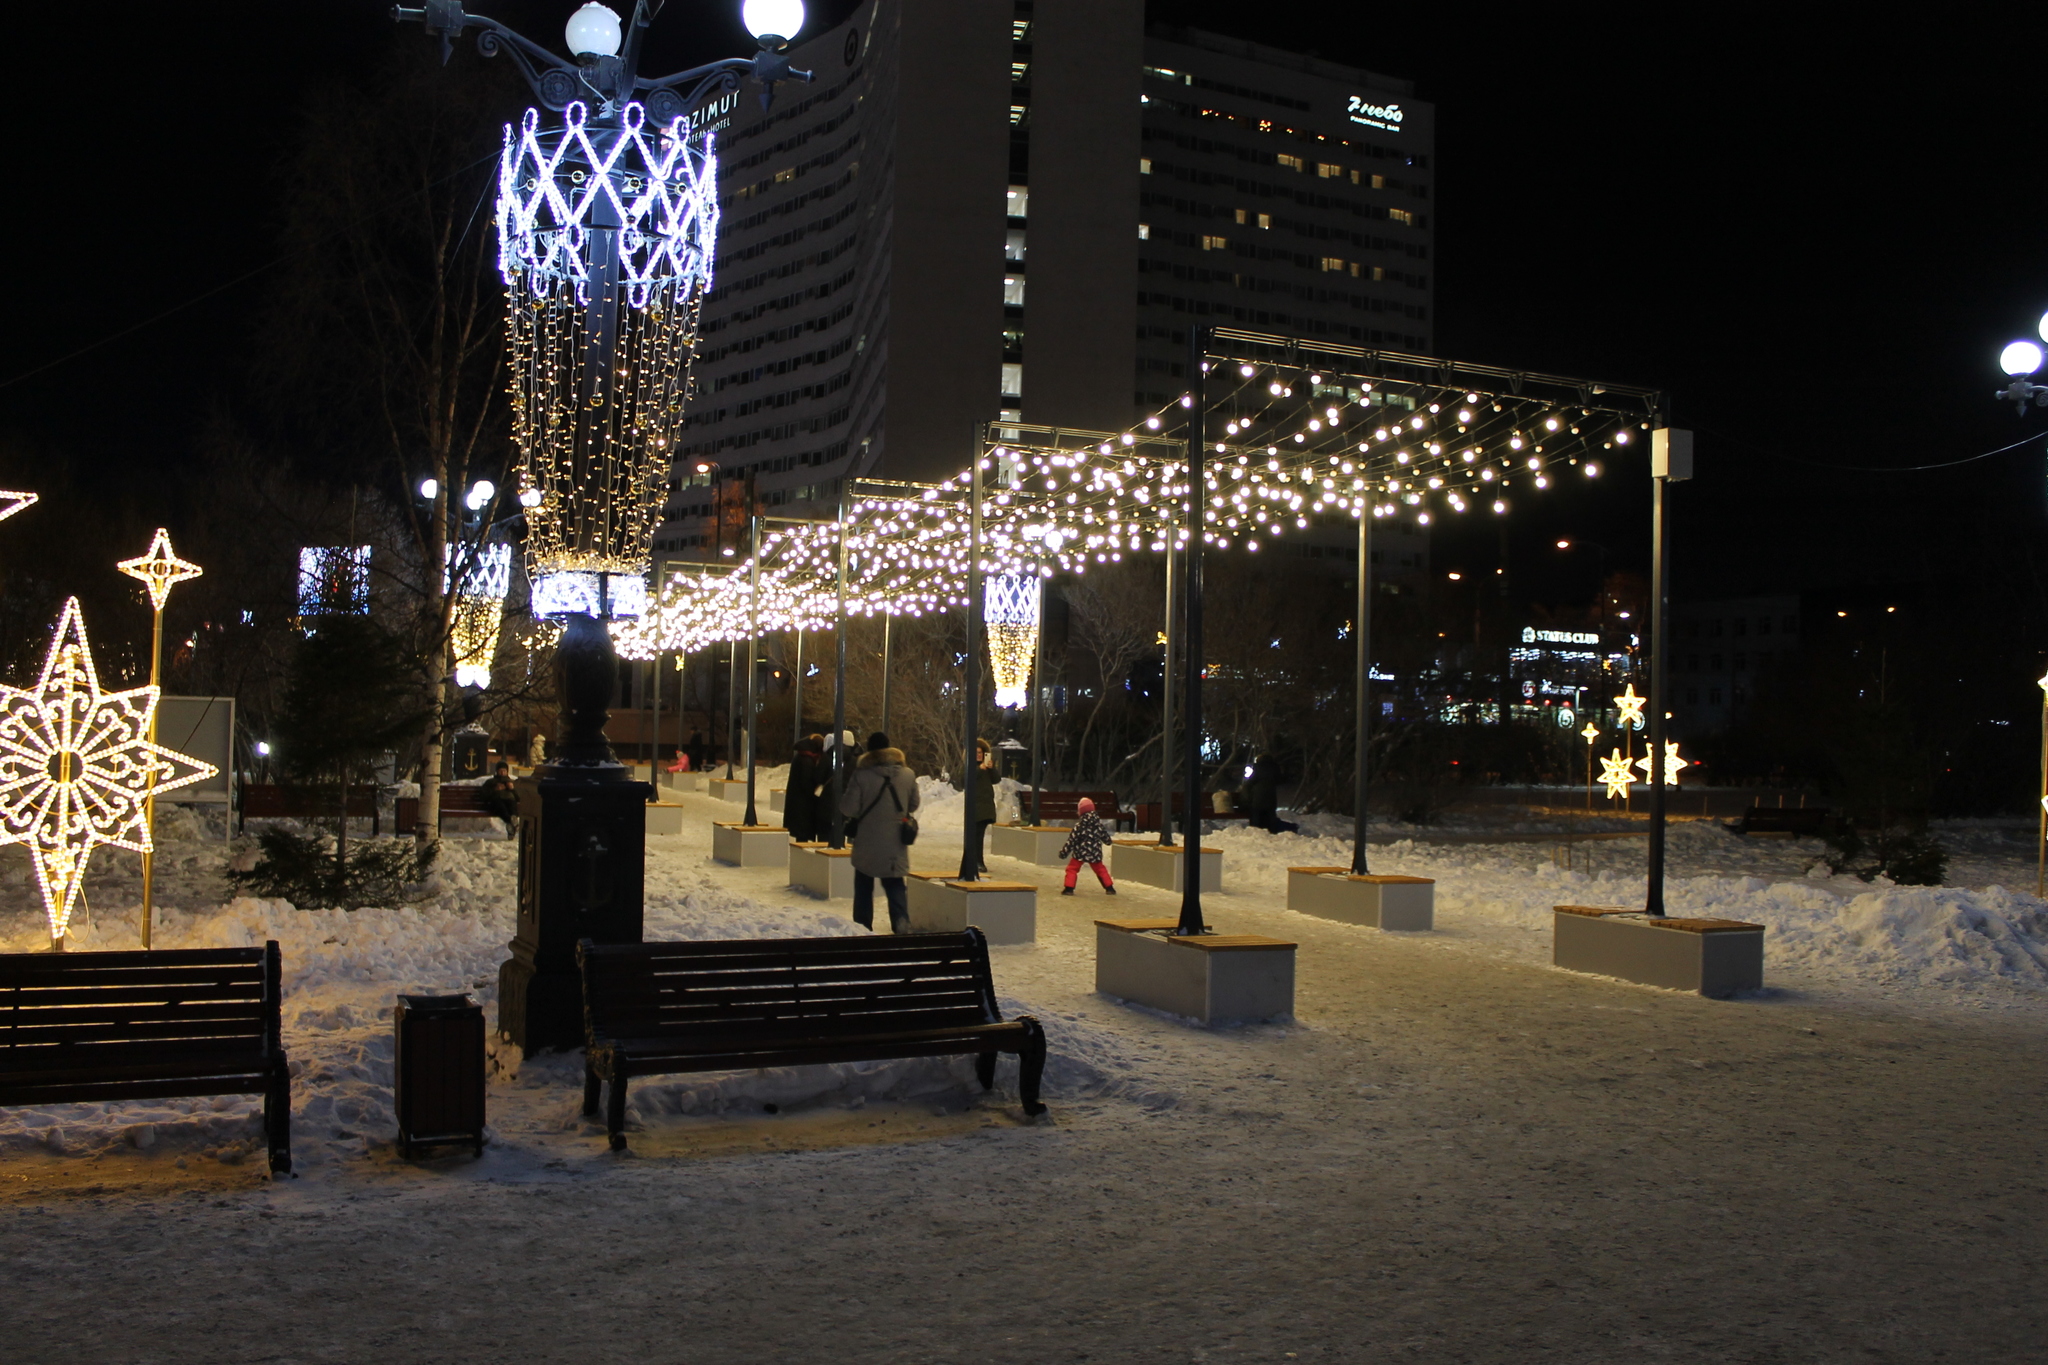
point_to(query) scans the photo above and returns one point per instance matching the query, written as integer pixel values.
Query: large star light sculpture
(1614, 771)
(1672, 763)
(77, 767)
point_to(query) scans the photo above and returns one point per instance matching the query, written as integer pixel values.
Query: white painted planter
(775, 799)
(733, 789)
(1715, 957)
(1143, 860)
(1372, 899)
(821, 870)
(1036, 844)
(665, 818)
(1007, 912)
(1213, 979)
(749, 845)
(684, 782)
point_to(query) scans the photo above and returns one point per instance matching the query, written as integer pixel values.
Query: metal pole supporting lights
(2022, 360)
(607, 218)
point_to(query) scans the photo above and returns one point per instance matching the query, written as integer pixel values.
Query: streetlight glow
(480, 493)
(430, 489)
(2022, 357)
(772, 21)
(594, 31)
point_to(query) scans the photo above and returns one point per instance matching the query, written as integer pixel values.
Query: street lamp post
(607, 223)
(1670, 458)
(2021, 361)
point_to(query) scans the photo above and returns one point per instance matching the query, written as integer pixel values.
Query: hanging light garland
(1010, 610)
(77, 767)
(479, 609)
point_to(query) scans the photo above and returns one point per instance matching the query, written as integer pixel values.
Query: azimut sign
(1383, 116)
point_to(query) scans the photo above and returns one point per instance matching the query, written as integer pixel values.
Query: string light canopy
(158, 569)
(479, 609)
(77, 767)
(1010, 611)
(10, 503)
(606, 236)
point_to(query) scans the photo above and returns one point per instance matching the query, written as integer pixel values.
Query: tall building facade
(989, 209)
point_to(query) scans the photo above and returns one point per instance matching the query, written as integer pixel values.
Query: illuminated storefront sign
(1386, 117)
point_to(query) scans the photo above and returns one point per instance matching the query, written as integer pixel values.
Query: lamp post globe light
(2021, 360)
(607, 218)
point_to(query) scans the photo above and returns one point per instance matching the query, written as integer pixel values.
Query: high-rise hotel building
(986, 209)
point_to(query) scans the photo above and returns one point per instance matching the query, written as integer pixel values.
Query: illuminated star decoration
(1615, 773)
(76, 766)
(1591, 732)
(10, 503)
(160, 569)
(1672, 763)
(1631, 708)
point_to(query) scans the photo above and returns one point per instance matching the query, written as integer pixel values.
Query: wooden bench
(265, 801)
(1148, 812)
(1813, 821)
(654, 1009)
(135, 1026)
(457, 803)
(1066, 806)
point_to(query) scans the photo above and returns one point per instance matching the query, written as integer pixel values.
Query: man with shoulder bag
(880, 803)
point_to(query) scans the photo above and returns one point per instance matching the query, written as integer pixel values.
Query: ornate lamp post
(607, 231)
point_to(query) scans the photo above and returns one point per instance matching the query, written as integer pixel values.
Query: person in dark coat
(985, 779)
(498, 797)
(801, 810)
(1084, 845)
(1262, 797)
(880, 793)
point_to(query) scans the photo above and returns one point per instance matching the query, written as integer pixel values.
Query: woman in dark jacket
(985, 779)
(801, 808)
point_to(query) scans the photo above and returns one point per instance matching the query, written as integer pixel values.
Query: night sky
(1816, 234)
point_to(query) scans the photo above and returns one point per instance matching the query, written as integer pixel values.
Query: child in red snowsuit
(1084, 845)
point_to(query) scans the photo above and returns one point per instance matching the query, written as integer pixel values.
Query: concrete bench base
(775, 798)
(749, 845)
(665, 818)
(683, 782)
(733, 789)
(1035, 844)
(1372, 899)
(1005, 911)
(1715, 957)
(821, 870)
(1213, 979)
(1143, 860)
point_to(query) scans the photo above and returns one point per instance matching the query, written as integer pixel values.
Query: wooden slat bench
(1066, 806)
(655, 1009)
(135, 1026)
(265, 801)
(457, 803)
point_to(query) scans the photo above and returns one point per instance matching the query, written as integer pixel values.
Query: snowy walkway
(1458, 1153)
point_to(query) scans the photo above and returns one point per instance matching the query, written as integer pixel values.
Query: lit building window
(1017, 113)
(1215, 244)
(1328, 172)
(1144, 232)
(1013, 291)
(1013, 245)
(1401, 216)
(1144, 165)
(1333, 263)
(1292, 163)
(1013, 381)
(1019, 200)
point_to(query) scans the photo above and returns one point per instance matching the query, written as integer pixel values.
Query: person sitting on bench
(1084, 845)
(497, 797)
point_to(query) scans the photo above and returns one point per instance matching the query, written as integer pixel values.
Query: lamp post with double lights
(2022, 360)
(607, 221)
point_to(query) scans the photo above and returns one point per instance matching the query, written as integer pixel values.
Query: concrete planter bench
(1715, 957)
(821, 870)
(1143, 860)
(749, 845)
(1007, 912)
(1372, 899)
(733, 789)
(684, 782)
(775, 798)
(1211, 979)
(1035, 844)
(665, 817)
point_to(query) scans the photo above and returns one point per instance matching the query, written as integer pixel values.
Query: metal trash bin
(438, 1071)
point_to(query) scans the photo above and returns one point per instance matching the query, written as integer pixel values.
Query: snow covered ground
(1976, 945)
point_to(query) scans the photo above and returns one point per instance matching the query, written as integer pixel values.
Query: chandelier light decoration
(479, 609)
(1010, 610)
(606, 236)
(77, 767)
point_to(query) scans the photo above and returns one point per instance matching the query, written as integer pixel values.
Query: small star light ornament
(1615, 773)
(76, 767)
(1672, 763)
(10, 503)
(1631, 708)
(1590, 733)
(159, 569)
